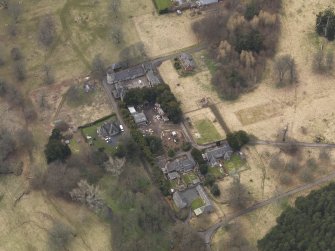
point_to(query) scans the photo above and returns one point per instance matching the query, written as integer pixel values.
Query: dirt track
(207, 235)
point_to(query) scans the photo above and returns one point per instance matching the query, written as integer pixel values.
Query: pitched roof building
(185, 198)
(140, 118)
(186, 61)
(183, 164)
(109, 129)
(214, 155)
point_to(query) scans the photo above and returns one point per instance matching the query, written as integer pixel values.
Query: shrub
(203, 168)
(171, 153)
(252, 9)
(186, 146)
(215, 190)
(209, 180)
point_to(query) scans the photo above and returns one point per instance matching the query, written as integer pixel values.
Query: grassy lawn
(74, 145)
(207, 131)
(162, 4)
(197, 203)
(211, 65)
(234, 163)
(96, 140)
(189, 177)
(174, 183)
(216, 172)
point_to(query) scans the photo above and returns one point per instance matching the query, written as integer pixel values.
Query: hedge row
(158, 176)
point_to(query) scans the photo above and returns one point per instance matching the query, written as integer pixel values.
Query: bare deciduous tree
(306, 175)
(7, 144)
(285, 70)
(46, 31)
(277, 163)
(12, 29)
(4, 3)
(29, 112)
(324, 155)
(2, 56)
(239, 196)
(237, 240)
(98, 67)
(114, 8)
(19, 71)
(116, 35)
(323, 62)
(184, 238)
(25, 139)
(60, 180)
(48, 77)
(60, 237)
(15, 10)
(89, 195)
(16, 54)
(285, 179)
(293, 166)
(3, 88)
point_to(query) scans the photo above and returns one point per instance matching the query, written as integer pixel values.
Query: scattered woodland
(242, 38)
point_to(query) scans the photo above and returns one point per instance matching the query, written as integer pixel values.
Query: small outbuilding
(187, 62)
(140, 118)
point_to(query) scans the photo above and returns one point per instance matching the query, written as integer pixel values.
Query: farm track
(208, 234)
(301, 144)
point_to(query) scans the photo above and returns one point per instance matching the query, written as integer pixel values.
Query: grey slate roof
(215, 154)
(152, 78)
(186, 197)
(180, 165)
(140, 118)
(109, 129)
(186, 60)
(173, 175)
(178, 200)
(128, 74)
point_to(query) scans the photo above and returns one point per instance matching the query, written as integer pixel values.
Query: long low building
(185, 198)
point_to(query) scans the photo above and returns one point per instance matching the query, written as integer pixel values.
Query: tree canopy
(56, 149)
(325, 24)
(237, 139)
(161, 94)
(307, 226)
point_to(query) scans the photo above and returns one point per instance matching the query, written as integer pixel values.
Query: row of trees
(161, 94)
(145, 145)
(242, 37)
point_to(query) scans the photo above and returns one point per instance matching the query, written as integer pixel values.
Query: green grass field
(216, 172)
(234, 163)
(197, 203)
(207, 131)
(163, 4)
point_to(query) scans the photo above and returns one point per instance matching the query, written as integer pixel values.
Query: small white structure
(132, 110)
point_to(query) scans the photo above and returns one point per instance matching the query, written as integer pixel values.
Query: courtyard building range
(122, 79)
(182, 165)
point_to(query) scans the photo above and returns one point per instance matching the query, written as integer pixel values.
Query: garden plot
(204, 126)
